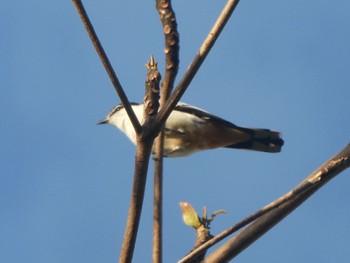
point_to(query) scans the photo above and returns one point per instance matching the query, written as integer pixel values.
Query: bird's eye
(119, 107)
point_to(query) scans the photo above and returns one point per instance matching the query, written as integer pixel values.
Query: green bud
(189, 215)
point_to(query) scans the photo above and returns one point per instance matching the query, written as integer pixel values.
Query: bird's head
(114, 116)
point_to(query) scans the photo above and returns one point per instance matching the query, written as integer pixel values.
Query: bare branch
(271, 214)
(157, 253)
(171, 50)
(157, 212)
(106, 63)
(202, 236)
(151, 99)
(316, 180)
(198, 60)
(143, 151)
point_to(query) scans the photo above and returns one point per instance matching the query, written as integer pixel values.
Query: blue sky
(65, 182)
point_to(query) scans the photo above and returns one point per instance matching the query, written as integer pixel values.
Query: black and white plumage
(190, 129)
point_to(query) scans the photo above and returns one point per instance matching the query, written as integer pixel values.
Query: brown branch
(157, 253)
(157, 193)
(106, 63)
(326, 172)
(197, 61)
(275, 211)
(151, 99)
(246, 221)
(202, 236)
(171, 50)
(143, 151)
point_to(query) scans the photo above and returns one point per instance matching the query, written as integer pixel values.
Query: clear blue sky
(65, 182)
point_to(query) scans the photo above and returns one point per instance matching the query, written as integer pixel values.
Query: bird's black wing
(203, 114)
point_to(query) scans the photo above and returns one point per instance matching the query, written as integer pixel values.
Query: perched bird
(190, 129)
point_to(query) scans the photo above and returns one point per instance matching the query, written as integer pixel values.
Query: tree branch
(326, 172)
(106, 63)
(157, 253)
(271, 214)
(202, 236)
(171, 50)
(143, 151)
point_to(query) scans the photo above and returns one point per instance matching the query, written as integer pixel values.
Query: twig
(198, 60)
(151, 99)
(171, 50)
(143, 152)
(157, 253)
(202, 236)
(316, 180)
(106, 63)
(271, 214)
(144, 147)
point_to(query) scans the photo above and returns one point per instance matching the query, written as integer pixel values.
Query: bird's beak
(104, 121)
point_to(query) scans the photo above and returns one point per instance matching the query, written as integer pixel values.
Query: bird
(190, 129)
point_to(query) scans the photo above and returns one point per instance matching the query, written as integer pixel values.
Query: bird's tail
(262, 140)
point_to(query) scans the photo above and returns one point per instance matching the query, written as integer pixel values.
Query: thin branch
(151, 99)
(202, 236)
(157, 253)
(246, 221)
(171, 50)
(143, 151)
(271, 214)
(106, 63)
(198, 60)
(157, 193)
(316, 180)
